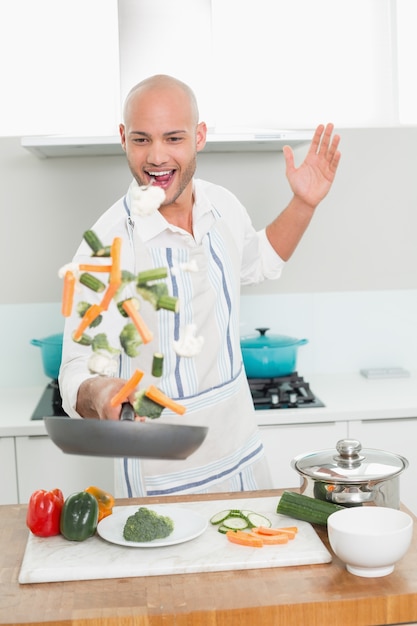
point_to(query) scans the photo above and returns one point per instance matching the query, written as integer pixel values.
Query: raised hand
(312, 180)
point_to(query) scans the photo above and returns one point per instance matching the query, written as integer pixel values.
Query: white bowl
(370, 539)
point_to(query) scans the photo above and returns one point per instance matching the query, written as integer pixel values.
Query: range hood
(231, 141)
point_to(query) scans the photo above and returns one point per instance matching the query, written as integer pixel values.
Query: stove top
(50, 403)
(284, 392)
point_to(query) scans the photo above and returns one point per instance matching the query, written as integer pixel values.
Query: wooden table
(313, 595)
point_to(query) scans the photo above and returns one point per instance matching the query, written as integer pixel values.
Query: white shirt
(228, 252)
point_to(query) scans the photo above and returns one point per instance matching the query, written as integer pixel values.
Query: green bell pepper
(79, 516)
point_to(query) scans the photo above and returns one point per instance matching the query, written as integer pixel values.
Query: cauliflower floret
(103, 363)
(188, 344)
(69, 267)
(145, 199)
(189, 266)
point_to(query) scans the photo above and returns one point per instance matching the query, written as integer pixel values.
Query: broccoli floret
(146, 525)
(145, 407)
(152, 293)
(127, 277)
(130, 340)
(100, 342)
(82, 307)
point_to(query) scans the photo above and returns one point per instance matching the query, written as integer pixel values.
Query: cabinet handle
(389, 419)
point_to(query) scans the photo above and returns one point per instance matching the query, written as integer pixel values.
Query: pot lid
(350, 463)
(269, 341)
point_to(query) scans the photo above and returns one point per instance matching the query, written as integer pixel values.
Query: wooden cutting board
(55, 559)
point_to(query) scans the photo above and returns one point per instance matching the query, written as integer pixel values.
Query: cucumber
(157, 364)
(93, 241)
(305, 508)
(170, 303)
(150, 275)
(92, 282)
(219, 517)
(235, 523)
(235, 519)
(255, 519)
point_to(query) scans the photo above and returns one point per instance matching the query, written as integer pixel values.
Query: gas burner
(50, 403)
(283, 392)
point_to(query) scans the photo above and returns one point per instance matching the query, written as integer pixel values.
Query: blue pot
(51, 351)
(269, 356)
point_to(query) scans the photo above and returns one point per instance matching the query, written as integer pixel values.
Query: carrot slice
(116, 272)
(108, 295)
(143, 330)
(155, 394)
(270, 540)
(86, 267)
(123, 393)
(244, 539)
(68, 293)
(265, 531)
(89, 316)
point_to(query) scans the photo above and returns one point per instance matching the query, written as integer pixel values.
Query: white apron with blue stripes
(212, 385)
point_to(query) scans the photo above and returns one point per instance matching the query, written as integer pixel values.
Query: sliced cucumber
(235, 523)
(235, 519)
(219, 517)
(255, 520)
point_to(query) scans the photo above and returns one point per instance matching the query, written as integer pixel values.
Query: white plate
(187, 525)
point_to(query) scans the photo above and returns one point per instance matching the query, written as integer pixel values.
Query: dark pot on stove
(51, 352)
(269, 356)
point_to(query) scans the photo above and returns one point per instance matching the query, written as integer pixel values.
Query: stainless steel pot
(351, 476)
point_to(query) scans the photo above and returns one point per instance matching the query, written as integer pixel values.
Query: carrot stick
(108, 295)
(68, 294)
(153, 393)
(116, 272)
(244, 539)
(123, 393)
(270, 540)
(89, 316)
(290, 532)
(85, 267)
(143, 330)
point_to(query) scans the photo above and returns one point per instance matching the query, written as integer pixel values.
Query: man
(201, 226)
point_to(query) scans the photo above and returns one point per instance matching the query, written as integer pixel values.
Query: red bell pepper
(44, 512)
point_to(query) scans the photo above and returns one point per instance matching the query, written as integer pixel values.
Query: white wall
(362, 237)
(351, 288)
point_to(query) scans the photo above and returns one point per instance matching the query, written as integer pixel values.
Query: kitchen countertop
(346, 397)
(297, 595)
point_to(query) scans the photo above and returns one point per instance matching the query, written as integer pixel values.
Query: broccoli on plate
(147, 525)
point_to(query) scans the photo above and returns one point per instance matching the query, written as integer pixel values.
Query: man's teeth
(159, 173)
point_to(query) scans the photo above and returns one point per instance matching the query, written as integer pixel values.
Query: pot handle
(36, 342)
(262, 331)
(302, 342)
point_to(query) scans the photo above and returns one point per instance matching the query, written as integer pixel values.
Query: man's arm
(310, 183)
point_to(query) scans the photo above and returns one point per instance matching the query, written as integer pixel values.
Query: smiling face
(161, 137)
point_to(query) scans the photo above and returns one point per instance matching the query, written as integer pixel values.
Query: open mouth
(162, 178)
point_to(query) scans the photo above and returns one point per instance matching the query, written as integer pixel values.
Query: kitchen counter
(310, 595)
(346, 397)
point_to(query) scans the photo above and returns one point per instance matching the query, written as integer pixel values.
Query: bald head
(161, 83)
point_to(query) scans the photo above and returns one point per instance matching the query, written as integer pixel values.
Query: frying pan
(124, 438)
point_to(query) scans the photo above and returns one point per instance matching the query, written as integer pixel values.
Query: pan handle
(127, 413)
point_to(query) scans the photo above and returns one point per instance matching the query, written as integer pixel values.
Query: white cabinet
(8, 485)
(283, 443)
(42, 465)
(393, 435)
